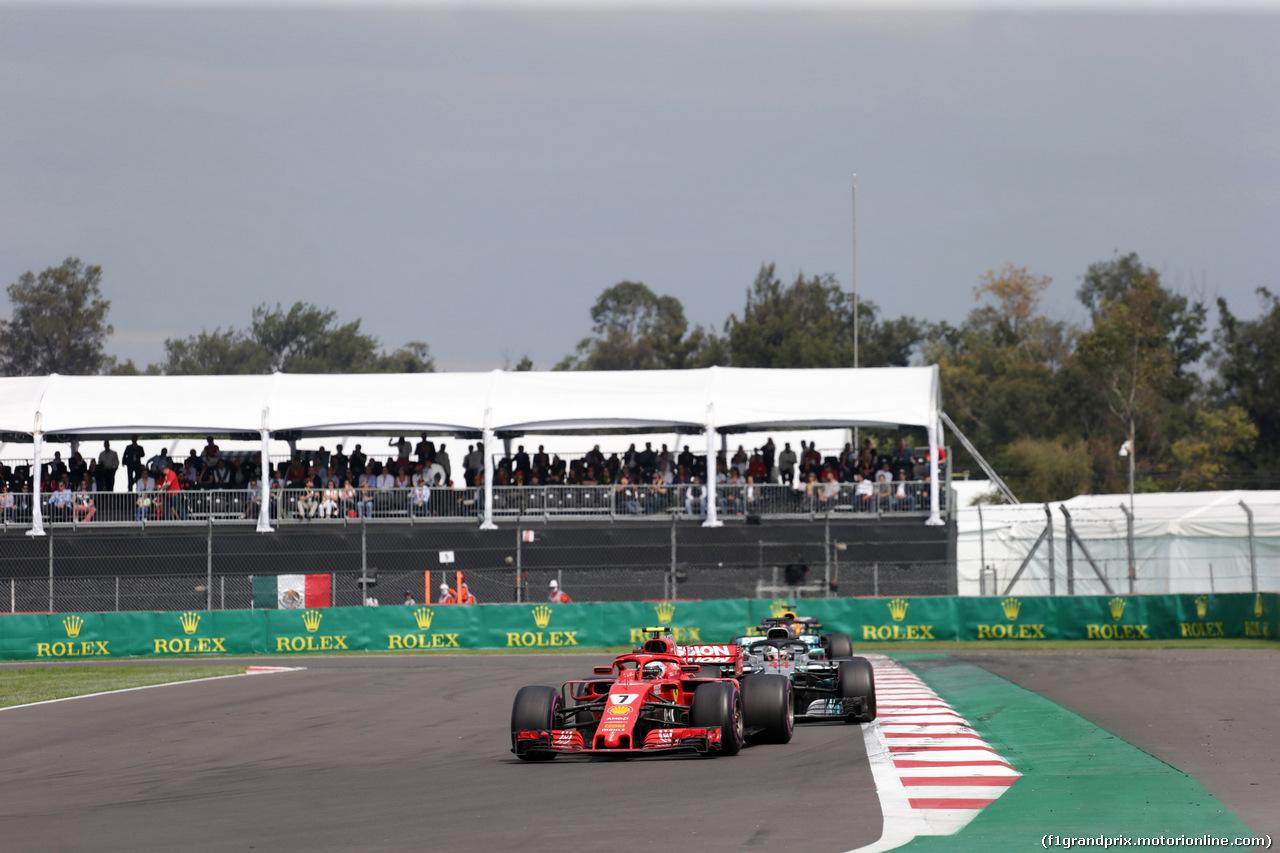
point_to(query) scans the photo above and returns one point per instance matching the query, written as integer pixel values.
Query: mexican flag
(291, 592)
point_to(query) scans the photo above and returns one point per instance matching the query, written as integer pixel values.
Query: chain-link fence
(210, 565)
(1202, 542)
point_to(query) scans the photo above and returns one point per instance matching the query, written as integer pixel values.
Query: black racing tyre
(718, 705)
(535, 709)
(857, 679)
(838, 646)
(767, 705)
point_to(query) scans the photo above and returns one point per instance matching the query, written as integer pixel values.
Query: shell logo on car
(620, 710)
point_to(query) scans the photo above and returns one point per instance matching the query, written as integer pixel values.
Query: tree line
(1047, 402)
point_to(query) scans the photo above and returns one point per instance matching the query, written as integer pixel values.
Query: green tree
(58, 323)
(1139, 353)
(1045, 469)
(1247, 358)
(1220, 437)
(635, 329)
(303, 339)
(809, 323)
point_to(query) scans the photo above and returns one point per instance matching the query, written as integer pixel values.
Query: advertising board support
(1128, 518)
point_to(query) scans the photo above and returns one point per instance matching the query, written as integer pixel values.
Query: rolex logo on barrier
(665, 611)
(190, 622)
(1259, 607)
(73, 624)
(1011, 606)
(1000, 631)
(1202, 606)
(778, 608)
(311, 619)
(1117, 608)
(898, 609)
(187, 645)
(423, 615)
(541, 618)
(84, 648)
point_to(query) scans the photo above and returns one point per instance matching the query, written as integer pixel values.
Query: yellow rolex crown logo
(542, 615)
(898, 609)
(1011, 606)
(778, 608)
(311, 619)
(1202, 605)
(666, 611)
(424, 616)
(190, 621)
(1117, 608)
(73, 624)
(1258, 607)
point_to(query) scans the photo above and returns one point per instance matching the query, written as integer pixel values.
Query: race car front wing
(570, 742)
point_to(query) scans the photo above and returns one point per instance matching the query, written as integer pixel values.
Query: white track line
(932, 771)
(253, 670)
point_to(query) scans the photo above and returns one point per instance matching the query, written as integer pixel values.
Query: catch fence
(209, 566)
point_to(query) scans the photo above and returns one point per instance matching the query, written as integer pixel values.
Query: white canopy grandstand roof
(728, 399)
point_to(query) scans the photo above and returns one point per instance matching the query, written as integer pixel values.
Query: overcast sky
(475, 176)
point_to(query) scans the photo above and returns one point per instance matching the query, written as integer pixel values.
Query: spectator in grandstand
(364, 498)
(787, 465)
(556, 595)
(442, 460)
(133, 456)
(329, 500)
(904, 497)
(425, 451)
(768, 455)
(357, 465)
(472, 462)
(695, 497)
(338, 463)
(296, 475)
(76, 467)
(108, 464)
(158, 463)
(402, 446)
(408, 599)
(434, 474)
(749, 503)
(57, 467)
(902, 456)
(8, 504)
(685, 459)
(522, 462)
(866, 457)
(625, 494)
(659, 496)
(382, 483)
(421, 504)
(221, 475)
(739, 460)
(211, 453)
(730, 498)
(253, 506)
(60, 501)
(755, 467)
(173, 505)
(346, 499)
(863, 494)
(309, 502)
(145, 486)
(84, 508)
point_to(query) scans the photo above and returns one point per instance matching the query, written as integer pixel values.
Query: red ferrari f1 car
(660, 698)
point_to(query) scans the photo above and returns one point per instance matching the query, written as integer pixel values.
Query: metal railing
(443, 504)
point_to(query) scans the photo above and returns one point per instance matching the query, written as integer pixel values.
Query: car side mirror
(602, 670)
(690, 667)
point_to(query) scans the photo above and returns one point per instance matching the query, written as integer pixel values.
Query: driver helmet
(771, 653)
(654, 669)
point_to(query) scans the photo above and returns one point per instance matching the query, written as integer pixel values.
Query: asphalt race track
(411, 753)
(386, 753)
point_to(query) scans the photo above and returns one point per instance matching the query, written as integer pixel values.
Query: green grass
(23, 685)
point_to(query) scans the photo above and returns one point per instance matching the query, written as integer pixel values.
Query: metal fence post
(208, 568)
(51, 572)
(117, 593)
(1129, 524)
(1253, 550)
(826, 546)
(519, 561)
(671, 584)
(875, 579)
(1049, 538)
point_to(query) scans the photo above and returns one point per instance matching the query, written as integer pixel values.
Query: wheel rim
(791, 711)
(738, 730)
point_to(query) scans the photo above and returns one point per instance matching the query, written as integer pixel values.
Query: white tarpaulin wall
(707, 401)
(1184, 542)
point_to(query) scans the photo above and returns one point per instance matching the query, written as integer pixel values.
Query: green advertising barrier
(436, 628)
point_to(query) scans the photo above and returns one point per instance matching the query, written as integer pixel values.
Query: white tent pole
(489, 443)
(264, 479)
(935, 433)
(37, 518)
(712, 519)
